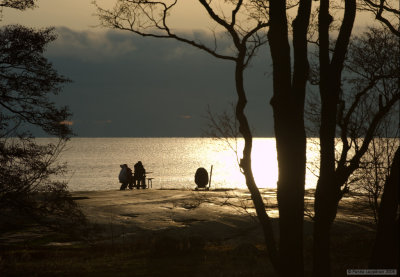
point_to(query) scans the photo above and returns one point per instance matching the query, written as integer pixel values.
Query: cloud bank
(129, 86)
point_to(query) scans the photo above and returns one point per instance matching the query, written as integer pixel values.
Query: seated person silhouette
(139, 175)
(125, 177)
(201, 178)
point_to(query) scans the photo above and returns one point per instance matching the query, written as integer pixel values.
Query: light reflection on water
(94, 162)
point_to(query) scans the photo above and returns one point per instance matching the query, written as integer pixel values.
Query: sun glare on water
(264, 164)
(226, 172)
(94, 163)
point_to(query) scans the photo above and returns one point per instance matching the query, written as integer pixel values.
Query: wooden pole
(209, 182)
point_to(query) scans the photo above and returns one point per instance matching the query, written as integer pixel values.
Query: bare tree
(289, 87)
(386, 253)
(375, 167)
(288, 105)
(354, 116)
(288, 99)
(365, 101)
(224, 127)
(150, 19)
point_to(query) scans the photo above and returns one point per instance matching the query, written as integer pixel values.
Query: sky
(124, 85)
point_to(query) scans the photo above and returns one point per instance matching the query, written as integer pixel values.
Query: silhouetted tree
(370, 83)
(289, 87)
(150, 19)
(27, 80)
(353, 115)
(375, 166)
(386, 252)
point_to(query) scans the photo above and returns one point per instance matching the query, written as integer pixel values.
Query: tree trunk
(291, 157)
(245, 163)
(326, 203)
(328, 194)
(288, 107)
(385, 254)
(291, 154)
(326, 191)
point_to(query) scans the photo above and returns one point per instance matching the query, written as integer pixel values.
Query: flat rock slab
(210, 214)
(217, 215)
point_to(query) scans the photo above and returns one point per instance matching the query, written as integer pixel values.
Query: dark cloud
(124, 85)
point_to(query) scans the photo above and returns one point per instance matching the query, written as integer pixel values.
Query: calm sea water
(94, 162)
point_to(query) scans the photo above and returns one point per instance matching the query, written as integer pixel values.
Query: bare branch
(129, 14)
(223, 23)
(235, 11)
(379, 10)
